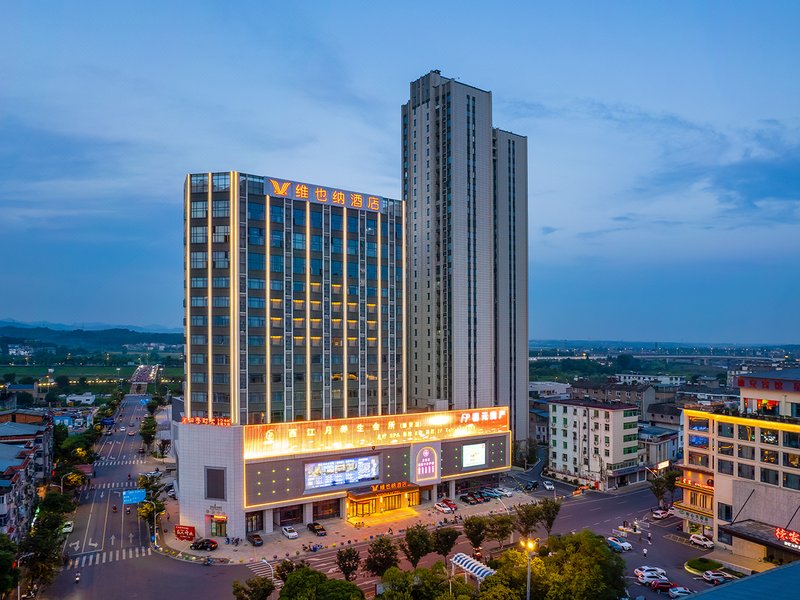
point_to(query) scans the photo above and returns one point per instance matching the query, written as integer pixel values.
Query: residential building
(641, 395)
(657, 445)
(546, 389)
(17, 489)
(741, 472)
(465, 193)
(640, 378)
(539, 426)
(596, 443)
(703, 394)
(86, 398)
(296, 359)
(669, 416)
(39, 436)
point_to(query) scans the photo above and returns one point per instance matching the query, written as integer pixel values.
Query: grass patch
(703, 564)
(733, 572)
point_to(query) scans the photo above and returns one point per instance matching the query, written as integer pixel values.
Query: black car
(533, 485)
(255, 539)
(204, 544)
(467, 500)
(317, 529)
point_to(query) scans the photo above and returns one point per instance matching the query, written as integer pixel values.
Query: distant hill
(101, 339)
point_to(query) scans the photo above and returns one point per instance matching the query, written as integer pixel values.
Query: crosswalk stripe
(104, 557)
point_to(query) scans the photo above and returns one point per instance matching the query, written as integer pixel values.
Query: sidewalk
(739, 563)
(340, 532)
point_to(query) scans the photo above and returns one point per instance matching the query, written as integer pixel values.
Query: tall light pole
(531, 545)
(154, 521)
(62, 481)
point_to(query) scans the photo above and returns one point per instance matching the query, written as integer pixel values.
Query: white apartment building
(545, 389)
(596, 443)
(639, 378)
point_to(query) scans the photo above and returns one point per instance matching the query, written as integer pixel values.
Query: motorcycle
(114, 508)
(127, 510)
(77, 577)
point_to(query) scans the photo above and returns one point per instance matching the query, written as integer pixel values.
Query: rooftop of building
(656, 431)
(664, 408)
(23, 411)
(773, 583)
(594, 404)
(10, 456)
(586, 384)
(782, 374)
(10, 428)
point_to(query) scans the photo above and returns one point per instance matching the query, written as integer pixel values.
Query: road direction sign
(107, 421)
(133, 496)
(143, 401)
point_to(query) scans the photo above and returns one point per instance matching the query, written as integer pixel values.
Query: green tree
(550, 509)
(163, 447)
(284, 568)
(671, 478)
(56, 502)
(154, 492)
(526, 518)
(43, 546)
(417, 544)
(381, 556)
(658, 485)
(9, 573)
(499, 528)
(62, 381)
(498, 592)
(583, 567)
(147, 430)
(306, 584)
(444, 539)
(24, 399)
(348, 560)
(511, 574)
(9, 377)
(475, 528)
(152, 406)
(255, 588)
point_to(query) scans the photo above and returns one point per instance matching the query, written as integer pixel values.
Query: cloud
(548, 230)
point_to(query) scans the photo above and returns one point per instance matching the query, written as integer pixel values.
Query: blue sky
(664, 146)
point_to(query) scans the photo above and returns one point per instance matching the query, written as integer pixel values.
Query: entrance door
(219, 528)
(392, 502)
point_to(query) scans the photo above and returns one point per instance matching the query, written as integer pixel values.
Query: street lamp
(154, 521)
(62, 481)
(531, 545)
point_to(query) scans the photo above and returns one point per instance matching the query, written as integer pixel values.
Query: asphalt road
(111, 550)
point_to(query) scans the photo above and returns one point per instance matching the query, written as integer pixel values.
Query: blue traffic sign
(107, 421)
(143, 401)
(133, 496)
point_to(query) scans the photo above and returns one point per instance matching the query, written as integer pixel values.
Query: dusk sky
(663, 139)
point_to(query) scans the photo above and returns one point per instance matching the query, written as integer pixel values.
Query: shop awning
(763, 533)
(475, 568)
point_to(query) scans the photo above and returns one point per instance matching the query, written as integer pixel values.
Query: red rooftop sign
(768, 384)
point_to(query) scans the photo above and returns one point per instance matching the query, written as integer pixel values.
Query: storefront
(380, 498)
(327, 509)
(763, 541)
(694, 521)
(217, 525)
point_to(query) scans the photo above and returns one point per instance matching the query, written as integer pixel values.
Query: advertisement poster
(473, 455)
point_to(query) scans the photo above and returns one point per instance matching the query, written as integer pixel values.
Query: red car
(662, 586)
(447, 502)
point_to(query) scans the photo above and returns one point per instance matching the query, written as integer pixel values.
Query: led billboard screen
(473, 455)
(345, 471)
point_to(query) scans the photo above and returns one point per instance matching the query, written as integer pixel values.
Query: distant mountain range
(105, 339)
(88, 326)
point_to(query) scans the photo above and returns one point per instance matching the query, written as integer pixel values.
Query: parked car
(701, 540)
(447, 502)
(647, 579)
(204, 544)
(477, 497)
(489, 492)
(255, 539)
(645, 569)
(508, 492)
(614, 545)
(68, 527)
(548, 485)
(317, 529)
(625, 545)
(662, 586)
(443, 508)
(172, 494)
(715, 577)
(679, 592)
(290, 532)
(122, 429)
(660, 514)
(467, 499)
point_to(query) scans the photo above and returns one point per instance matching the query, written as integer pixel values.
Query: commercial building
(296, 362)
(741, 473)
(596, 443)
(466, 193)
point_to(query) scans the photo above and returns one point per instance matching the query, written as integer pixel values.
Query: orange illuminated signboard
(284, 439)
(296, 190)
(790, 539)
(220, 421)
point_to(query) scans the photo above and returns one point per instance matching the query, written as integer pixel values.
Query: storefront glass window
(747, 433)
(769, 436)
(747, 452)
(725, 430)
(769, 456)
(254, 521)
(769, 476)
(725, 448)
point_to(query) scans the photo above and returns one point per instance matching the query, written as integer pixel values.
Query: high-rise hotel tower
(465, 187)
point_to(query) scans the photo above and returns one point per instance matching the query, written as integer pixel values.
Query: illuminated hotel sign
(301, 437)
(426, 464)
(220, 421)
(296, 190)
(388, 487)
(790, 539)
(768, 384)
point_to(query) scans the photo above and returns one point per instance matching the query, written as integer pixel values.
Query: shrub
(703, 564)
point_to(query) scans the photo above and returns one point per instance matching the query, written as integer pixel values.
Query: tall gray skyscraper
(466, 194)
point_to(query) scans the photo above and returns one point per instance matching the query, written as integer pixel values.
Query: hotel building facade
(296, 401)
(465, 190)
(741, 470)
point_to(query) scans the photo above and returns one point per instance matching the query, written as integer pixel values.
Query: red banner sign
(184, 532)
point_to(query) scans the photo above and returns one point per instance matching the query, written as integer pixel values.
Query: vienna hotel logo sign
(318, 194)
(426, 464)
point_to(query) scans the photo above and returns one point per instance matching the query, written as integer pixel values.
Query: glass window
(220, 320)
(199, 321)
(790, 459)
(256, 284)
(316, 243)
(725, 430)
(725, 448)
(698, 441)
(221, 182)
(769, 476)
(254, 302)
(220, 259)
(199, 282)
(276, 285)
(220, 282)
(220, 208)
(725, 466)
(199, 183)
(276, 263)
(769, 436)
(255, 211)
(299, 217)
(256, 261)
(695, 458)
(198, 260)
(791, 481)
(276, 239)
(199, 300)
(221, 301)
(336, 221)
(222, 234)
(698, 423)
(200, 209)
(299, 265)
(255, 236)
(747, 433)
(199, 235)
(724, 511)
(316, 266)
(316, 219)
(299, 241)
(791, 439)
(747, 452)
(746, 471)
(276, 214)
(769, 456)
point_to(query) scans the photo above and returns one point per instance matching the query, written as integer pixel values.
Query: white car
(290, 532)
(660, 514)
(506, 491)
(679, 592)
(122, 429)
(646, 569)
(622, 543)
(443, 508)
(68, 527)
(650, 578)
(701, 540)
(548, 485)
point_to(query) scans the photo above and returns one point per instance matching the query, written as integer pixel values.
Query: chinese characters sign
(389, 487)
(184, 532)
(285, 439)
(790, 539)
(220, 421)
(321, 195)
(426, 464)
(768, 384)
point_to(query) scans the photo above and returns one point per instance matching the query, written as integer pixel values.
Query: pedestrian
(649, 537)
(167, 516)
(644, 551)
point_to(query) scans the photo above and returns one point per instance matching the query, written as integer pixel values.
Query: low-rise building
(657, 445)
(640, 378)
(86, 398)
(74, 417)
(640, 395)
(539, 419)
(741, 472)
(669, 416)
(39, 436)
(546, 389)
(704, 394)
(596, 443)
(17, 489)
